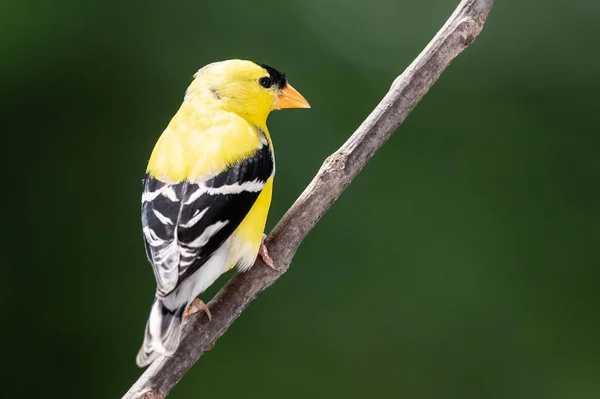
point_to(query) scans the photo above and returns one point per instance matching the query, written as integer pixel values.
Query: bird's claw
(264, 254)
(195, 307)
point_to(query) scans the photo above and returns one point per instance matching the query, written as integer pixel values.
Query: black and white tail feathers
(163, 331)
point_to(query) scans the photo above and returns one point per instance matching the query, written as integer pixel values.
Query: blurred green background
(462, 263)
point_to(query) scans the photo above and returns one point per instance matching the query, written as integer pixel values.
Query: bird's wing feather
(185, 223)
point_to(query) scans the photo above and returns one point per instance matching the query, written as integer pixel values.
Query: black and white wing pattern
(184, 223)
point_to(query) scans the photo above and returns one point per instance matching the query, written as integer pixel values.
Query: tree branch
(338, 170)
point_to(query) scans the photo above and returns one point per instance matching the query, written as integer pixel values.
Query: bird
(207, 191)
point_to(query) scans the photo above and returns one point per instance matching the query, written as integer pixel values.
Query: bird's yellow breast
(202, 141)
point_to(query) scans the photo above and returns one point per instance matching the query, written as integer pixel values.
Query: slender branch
(338, 170)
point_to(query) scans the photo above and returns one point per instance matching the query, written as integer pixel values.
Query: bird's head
(244, 87)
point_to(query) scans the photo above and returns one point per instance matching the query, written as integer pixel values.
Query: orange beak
(290, 98)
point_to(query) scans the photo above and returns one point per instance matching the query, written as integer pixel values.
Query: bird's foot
(195, 307)
(264, 254)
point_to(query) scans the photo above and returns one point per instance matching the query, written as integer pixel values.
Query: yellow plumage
(204, 140)
(213, 129)
(208, 188)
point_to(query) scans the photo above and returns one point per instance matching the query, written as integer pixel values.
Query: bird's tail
(163, 331)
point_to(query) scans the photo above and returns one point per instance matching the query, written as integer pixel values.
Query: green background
(463, 261)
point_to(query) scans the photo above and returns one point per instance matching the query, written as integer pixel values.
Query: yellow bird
(207, 190)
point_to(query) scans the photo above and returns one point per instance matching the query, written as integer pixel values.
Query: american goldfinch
(207, 190)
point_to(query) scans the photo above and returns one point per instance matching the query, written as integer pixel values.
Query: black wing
(185, 223)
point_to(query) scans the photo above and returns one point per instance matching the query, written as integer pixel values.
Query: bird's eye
(265, 82)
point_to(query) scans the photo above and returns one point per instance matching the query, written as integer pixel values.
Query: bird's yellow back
(221, 121)
(202, 142)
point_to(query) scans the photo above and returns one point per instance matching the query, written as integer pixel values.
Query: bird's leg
(264, 254)
(194, 307)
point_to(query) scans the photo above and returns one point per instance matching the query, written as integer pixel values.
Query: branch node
(470, 27)
(335, 164)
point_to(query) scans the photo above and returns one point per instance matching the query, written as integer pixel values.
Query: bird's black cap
(279, 78)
